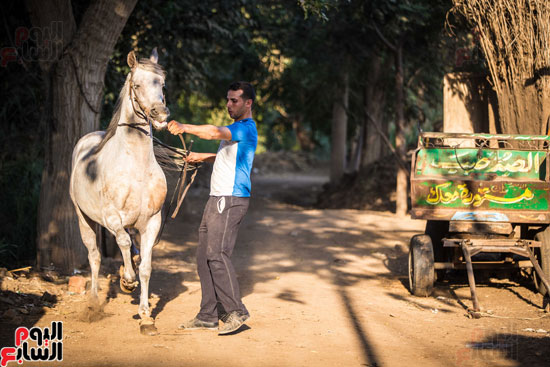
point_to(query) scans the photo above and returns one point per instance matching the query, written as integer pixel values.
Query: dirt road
(324, 288)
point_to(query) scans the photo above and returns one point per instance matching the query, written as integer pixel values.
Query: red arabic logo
(46, 350)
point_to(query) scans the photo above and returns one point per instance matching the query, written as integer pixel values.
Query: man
(225, 209)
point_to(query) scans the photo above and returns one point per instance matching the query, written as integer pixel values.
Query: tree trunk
(302, 135)
(400, 143)
(338, 133)
(74, 80)
(357, 149)
(465, 105)
(374, 100)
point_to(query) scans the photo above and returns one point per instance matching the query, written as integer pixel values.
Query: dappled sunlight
(345, 241)
(299, 268)
(353, 262)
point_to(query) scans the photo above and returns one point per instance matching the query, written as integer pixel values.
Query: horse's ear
(132, 60)
(154, 56)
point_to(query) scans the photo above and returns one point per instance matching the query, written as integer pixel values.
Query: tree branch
(101, 25)
(392, 47)
(385, 138)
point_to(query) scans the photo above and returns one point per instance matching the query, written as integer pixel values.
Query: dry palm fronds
(515, 38)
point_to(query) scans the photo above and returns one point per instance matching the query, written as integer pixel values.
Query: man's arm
(207, 132)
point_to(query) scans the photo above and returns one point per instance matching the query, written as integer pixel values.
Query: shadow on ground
(21, 309)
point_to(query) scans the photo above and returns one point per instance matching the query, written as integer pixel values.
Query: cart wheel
(421, 265)
(544, 238)
(437, 230)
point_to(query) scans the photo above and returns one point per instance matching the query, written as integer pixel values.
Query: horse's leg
(128, 277)
(136, 248)
(148, 236)
(88, 235)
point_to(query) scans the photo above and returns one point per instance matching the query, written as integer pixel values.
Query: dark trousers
(217, 235)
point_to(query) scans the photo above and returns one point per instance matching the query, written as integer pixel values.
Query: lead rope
(179, 185)
(183, 193)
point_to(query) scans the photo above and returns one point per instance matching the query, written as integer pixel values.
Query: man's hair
(247, 88)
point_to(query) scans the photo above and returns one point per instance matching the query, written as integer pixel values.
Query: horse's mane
(144, 64)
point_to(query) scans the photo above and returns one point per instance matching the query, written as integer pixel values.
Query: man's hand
(175, 127)
(194, 157)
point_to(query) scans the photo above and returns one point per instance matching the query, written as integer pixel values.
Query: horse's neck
(138, 140)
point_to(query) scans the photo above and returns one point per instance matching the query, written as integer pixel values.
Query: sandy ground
(324, 288)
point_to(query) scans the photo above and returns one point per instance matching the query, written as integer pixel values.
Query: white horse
(117, 182)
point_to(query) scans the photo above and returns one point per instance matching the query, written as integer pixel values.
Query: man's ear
(248, 103)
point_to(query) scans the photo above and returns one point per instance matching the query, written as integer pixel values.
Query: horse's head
(146, 84)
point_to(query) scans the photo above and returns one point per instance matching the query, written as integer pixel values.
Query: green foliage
(319, 8)
(351, 36)
(294, 61)
(420, 27)
(202, 45)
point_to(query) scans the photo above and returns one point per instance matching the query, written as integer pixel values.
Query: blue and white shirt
(233, 164)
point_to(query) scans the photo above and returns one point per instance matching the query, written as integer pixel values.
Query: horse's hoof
(128, 287)
(148, 329)
(125, 286)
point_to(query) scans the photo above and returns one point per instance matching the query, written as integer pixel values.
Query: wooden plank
(505, 216)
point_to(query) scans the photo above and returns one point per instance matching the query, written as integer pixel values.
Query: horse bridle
(143, 112)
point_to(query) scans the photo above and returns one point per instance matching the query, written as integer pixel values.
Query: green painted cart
(480, 193)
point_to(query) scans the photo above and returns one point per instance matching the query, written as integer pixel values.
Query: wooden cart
(480, 193)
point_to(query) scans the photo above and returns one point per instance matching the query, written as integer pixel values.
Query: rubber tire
(421, 266)
(437, 230)
(544, 260)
